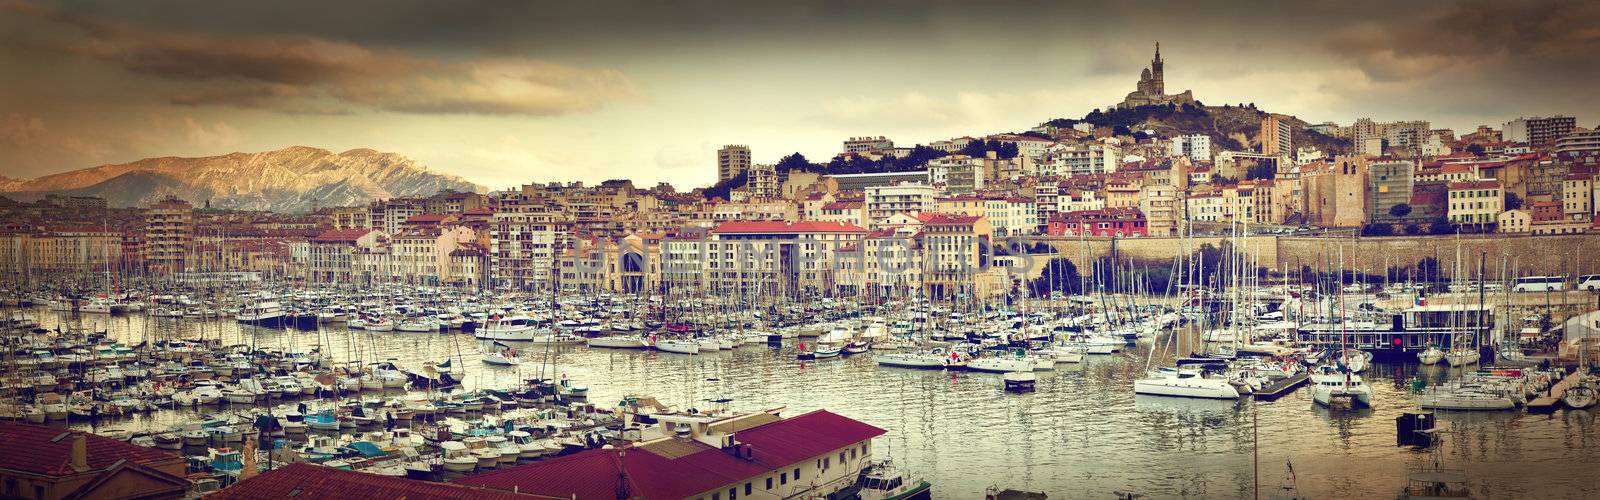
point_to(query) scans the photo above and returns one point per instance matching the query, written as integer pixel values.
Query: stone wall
(1522, 255)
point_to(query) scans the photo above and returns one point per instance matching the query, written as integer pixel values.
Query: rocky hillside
(293, 179)
(1236, 128)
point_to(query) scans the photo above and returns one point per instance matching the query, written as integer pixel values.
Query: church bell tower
(1155, 73)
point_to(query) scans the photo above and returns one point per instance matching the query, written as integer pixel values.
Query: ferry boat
(1399, 336)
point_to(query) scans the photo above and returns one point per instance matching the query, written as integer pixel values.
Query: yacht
(264, 313)
(509, 328)
(1186, 383)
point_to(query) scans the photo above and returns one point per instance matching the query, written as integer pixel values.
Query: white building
(1195, 146)
(884, 201)
(522, 249)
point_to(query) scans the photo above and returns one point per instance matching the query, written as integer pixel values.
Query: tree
(723, 187)
(795, 161)
(1059, 275)
(975, 149)
(1121, 130)
(1260, 171)
(1475, 149)
(1400, 210)
(1377, 230)
(1413, 229)
(1513, 202)
(1006, 150)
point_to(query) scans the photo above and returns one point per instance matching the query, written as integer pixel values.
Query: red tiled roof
(341, 235)
(35, 449)
(787, 227)
(598, 473)
(303, 480)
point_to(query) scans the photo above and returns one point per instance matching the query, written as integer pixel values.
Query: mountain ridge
(292, 179)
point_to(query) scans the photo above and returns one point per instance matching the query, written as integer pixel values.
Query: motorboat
(457, 458)
(509, 328)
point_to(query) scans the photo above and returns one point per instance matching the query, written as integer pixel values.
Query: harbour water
(1081, 434)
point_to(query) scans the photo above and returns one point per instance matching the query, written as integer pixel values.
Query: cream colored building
(1475, 205)
(1513, 221)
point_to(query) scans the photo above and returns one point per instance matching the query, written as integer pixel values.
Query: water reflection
(1081, 434)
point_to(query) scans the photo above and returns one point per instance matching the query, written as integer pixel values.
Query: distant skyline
(506, 93)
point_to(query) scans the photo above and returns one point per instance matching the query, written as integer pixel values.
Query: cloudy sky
(505, 93)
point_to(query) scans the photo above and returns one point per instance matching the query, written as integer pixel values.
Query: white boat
(1462, 357)
(1002, 364)
(456, 457)
(1432, 356)
(619, 342)
(509, 328)
(417, 325)
(502, 357)
(1185, 383)
(1330, 387)
(1355, 360)
(932, 359)
(379, 325)
(680, 346)
(557, 339)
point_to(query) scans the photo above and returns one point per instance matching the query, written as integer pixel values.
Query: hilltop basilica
(1152, 88)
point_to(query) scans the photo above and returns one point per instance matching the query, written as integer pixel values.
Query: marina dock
(1551, 401)
(1281, 386)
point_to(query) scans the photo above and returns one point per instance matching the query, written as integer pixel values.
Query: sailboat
(504, 356)
(1431, 356)
(1338, 385)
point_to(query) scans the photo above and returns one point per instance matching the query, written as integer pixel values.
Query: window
(733, 493)
(841, 456)
(769, 483)
(783, 478)
(796, 473)
(716, 496)
(747, 488)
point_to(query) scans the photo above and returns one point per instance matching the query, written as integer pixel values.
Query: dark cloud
(304, 72)
(1544, 36)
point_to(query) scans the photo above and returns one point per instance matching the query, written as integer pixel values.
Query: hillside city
(921, 218)
(1029, 269)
